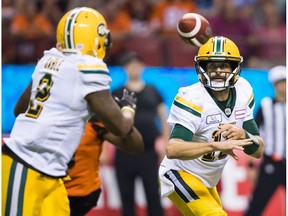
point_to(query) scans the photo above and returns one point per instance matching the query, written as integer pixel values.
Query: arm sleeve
(94, 77)
(180, 132)
(252, 128)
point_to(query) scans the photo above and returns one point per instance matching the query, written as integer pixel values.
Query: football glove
(128, 99)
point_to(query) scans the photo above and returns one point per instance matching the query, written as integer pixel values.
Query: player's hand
(228, 146)
(128, 99)
(230, 132)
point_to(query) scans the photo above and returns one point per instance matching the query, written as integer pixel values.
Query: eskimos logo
(102, 30)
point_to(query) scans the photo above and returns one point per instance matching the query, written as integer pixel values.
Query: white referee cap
(277, 73)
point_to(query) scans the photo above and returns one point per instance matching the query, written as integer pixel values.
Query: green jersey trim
(181, 132)
(229, 103)
(94, 72)
(251, 127)
(251, 101)
(187, 106)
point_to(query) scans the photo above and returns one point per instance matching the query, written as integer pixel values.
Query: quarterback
(210, 120)
(69, 83)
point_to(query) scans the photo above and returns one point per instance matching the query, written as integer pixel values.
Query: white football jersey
(48, 133)
(196, 110)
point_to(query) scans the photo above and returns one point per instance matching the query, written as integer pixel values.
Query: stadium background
(234, 186)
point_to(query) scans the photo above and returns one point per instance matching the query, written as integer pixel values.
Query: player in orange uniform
(84, 187)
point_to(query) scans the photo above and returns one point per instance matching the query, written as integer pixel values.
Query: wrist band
(128, 108)
(254, 139)
(251, 149)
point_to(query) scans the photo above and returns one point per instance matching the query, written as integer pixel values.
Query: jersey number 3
(43, 93)
(211, 156)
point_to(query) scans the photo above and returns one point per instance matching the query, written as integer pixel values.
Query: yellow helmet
(218, 48)
(83, 29)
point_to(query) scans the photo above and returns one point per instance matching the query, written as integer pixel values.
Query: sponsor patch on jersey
(212, 119)
(240, 114)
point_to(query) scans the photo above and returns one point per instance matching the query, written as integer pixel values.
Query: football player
(69, 82)
(84, 183)
(210, 120)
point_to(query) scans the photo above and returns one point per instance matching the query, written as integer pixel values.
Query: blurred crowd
(258, 27)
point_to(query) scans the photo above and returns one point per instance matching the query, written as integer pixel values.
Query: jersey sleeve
(247, 91)
(94, 76)
(250, 107)
(185, 112)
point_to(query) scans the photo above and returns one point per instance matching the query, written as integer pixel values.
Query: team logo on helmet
(102, 30)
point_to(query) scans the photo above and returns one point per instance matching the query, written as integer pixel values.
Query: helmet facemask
(217, 85)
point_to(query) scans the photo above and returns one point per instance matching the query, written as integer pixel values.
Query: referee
(271, 119)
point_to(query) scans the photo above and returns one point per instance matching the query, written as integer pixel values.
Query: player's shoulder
(83, 63)
(51, 53)
(193, 92)
(192, 96)
(245, 91)
(243, 85)
(90, 64)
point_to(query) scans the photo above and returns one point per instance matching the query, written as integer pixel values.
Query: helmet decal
(69, 28)
(101, 30)
(218, 45)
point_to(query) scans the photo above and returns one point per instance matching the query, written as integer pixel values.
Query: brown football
(194, 29)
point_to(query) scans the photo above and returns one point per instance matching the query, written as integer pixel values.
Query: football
(194, 29)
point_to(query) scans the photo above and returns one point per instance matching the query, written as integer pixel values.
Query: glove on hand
(128, 99)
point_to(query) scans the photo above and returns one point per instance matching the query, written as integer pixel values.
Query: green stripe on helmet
(70, 27)
(218, 44)
(68, 34)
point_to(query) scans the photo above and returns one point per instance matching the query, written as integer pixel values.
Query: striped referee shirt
(271, 119)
